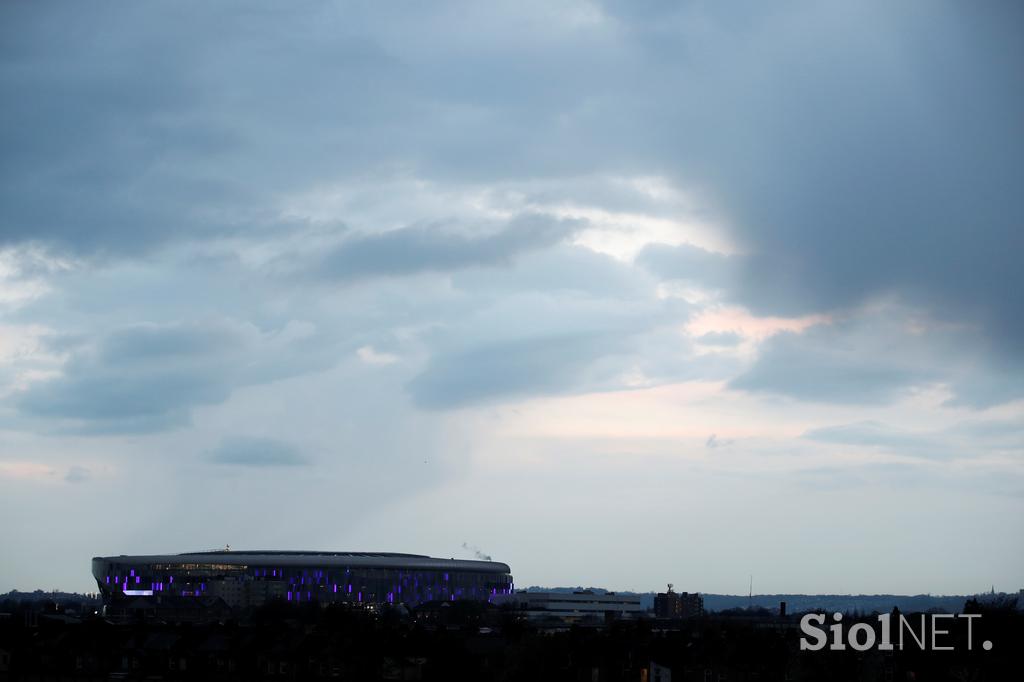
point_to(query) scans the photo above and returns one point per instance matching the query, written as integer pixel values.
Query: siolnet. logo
(931, 632)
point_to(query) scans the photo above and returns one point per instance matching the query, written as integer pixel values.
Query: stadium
(245, 579)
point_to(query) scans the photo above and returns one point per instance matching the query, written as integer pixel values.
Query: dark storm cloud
(423, 249)
(256, 452)
(871, 149)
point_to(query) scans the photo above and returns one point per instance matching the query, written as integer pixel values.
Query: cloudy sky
(620, 293)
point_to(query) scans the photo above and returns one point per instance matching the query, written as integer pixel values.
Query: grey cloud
(812, 367)
(854, 150)
(95, 140)
(121, 138)
(149, 377)
(156, 343)
(720, 338)
(431, 248)
(598, 359)
(689, 263)
(256, 452)
(1001, 433)
(106, 394)
(992, 380)
(527, 367)
(714, 442)
(77, 474)
(876, 475)
(563, 270)
(168, 142)
(865, 433)
(887, 163)
(956, 440)
(876, 356)
(554, 342)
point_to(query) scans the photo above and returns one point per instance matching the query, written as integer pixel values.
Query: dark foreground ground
(469, 642)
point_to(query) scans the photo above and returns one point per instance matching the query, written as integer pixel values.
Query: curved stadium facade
(245, 579)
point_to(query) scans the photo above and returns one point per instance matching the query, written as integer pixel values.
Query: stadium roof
(282, 558)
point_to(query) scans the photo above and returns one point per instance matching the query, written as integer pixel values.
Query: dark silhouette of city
(60, 636)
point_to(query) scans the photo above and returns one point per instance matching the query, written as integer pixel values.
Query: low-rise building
(584, 606)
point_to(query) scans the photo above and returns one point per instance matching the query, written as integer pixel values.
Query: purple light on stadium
(335, 587)
(289, 596)
(108, 579)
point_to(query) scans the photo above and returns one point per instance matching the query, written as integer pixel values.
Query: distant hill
(844, 603)
(54, 596)
(795, 603)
